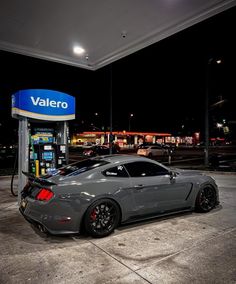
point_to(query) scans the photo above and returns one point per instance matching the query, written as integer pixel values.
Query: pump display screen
(48, 156)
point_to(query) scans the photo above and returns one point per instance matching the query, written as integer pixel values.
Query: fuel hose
(13, 175)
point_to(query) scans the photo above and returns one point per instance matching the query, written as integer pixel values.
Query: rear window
(156, 147)
(81, 167)
(144, 147)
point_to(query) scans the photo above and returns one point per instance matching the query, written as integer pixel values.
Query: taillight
(44, 194)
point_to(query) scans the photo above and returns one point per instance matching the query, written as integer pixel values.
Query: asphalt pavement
(185, 248)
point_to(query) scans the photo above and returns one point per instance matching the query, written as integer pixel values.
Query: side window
(156, 147)
(145, 169)
(118, 171)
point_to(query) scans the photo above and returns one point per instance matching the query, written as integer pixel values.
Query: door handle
(139, 186)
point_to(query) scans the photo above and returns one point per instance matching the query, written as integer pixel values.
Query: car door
(118, 177)
(154, 190)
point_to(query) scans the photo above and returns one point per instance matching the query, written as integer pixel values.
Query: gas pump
(47, 151)
(43, 131)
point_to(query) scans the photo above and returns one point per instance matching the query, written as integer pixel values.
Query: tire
(206, 199)
(150, 155)
(101, 218)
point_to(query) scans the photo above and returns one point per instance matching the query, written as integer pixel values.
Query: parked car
(153, 150)
(98, 194)
(98, 150)
(147, 144)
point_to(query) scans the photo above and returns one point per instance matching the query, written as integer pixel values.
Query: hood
(187, 172)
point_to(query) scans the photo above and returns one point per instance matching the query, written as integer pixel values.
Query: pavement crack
(116, 259)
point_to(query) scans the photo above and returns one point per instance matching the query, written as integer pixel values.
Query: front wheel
(101, 218)
(206, 199)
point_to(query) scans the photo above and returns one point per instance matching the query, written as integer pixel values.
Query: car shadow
(173, 218)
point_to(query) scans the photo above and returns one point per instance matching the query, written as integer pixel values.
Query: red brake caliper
(93, 215)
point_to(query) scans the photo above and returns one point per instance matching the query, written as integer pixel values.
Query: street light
(111, 115)
(130, 116)
(219, 126)
(210, 61)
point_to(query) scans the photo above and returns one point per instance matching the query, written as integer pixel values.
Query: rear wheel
(101, 218)
(206, 199)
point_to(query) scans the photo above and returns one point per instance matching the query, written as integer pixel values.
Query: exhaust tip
(41, 228)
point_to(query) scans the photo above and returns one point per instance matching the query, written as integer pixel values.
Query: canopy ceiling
(106, 29)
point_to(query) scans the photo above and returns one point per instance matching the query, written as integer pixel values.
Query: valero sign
(43, 104)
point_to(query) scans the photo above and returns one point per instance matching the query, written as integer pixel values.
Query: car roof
(121, 158)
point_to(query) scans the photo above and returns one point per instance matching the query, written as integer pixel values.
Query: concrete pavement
(185, 248)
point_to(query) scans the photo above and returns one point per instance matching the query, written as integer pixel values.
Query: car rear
(53, 203)
(89, 152)
(143, 151)
(42, 206)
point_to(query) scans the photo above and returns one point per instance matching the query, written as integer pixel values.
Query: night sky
(163, 85)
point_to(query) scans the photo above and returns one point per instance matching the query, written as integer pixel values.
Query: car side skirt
(156, 215)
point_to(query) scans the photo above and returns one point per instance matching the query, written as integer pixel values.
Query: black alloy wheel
(206, 199)
(101, 218)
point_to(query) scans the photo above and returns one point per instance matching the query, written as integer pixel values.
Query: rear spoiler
(42, 181)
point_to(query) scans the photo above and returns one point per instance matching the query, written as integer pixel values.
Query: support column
(23, 154)
(62, 136)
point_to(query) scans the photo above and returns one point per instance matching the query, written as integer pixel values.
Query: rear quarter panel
(82, 192)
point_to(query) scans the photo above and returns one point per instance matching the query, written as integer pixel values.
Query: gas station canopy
(91, 34)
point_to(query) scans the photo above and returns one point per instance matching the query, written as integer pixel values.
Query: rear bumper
(53, 223)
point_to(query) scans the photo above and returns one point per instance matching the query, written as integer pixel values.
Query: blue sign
(43, 104)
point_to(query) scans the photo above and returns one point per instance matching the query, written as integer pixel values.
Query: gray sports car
(98, 194)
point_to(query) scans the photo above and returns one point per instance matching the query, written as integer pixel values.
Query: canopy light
(78, 50)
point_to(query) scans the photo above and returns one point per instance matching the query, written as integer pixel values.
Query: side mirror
(172, 175)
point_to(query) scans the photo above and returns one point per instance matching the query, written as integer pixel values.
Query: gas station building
(127, 138)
